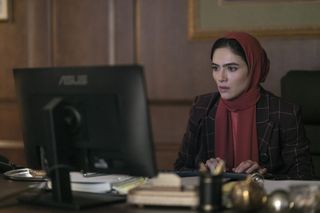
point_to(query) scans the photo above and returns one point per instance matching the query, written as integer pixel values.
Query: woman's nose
(222, 75)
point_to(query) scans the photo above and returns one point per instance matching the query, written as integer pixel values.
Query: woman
(247, 127)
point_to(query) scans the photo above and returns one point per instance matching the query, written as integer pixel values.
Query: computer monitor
(93, 119)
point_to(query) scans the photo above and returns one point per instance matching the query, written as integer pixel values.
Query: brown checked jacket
(283, 145)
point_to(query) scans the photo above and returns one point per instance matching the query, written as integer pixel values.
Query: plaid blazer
(283, 146)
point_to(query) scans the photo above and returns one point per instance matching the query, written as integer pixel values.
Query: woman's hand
(249, 167)
(212, 164)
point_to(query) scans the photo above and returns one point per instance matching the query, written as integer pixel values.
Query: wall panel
(23, 43)
(79, 32)
(168, 124)
(176, 68)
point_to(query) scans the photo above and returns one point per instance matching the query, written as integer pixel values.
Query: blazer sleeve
(189, 146)
(188, 156)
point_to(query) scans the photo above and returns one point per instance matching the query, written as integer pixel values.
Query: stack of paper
(100, 183)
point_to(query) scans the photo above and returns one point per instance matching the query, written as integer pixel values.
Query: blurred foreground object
(305, 197)
(279, 202)
(248, 194)
(164, 190)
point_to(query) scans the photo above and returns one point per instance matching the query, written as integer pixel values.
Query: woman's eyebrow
(225, 65)
(230, 64)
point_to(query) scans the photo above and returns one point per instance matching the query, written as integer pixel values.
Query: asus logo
(73, 80)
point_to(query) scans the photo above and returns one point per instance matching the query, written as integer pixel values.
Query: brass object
(248, 195)
(210, 185)
(257, 177)
(210, 192)
(279, 202)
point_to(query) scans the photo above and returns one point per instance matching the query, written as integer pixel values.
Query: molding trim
(206, 34)
(137, 31)
(11, 144)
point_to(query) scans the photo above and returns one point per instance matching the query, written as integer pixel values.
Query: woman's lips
(223, 89)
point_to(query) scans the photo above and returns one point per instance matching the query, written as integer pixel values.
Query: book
(101, 183)
(164, 190)
(163, 196)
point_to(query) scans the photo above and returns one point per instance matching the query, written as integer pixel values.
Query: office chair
(303, 88)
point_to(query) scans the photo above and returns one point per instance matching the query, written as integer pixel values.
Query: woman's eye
(232, 68)
(214, 68)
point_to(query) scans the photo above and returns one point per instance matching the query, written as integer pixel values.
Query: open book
(101, 183)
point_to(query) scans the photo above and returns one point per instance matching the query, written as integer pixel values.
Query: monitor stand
(58, 137)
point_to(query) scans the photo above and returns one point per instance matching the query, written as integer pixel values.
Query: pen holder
(210, 192)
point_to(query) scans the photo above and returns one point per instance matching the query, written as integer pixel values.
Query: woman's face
(230, 72)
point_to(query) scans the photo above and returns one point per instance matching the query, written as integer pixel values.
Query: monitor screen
(86, 118)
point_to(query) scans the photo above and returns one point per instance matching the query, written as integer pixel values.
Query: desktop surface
(11, 189)
(9, 203)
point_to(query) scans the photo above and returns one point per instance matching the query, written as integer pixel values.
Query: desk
(8, 187)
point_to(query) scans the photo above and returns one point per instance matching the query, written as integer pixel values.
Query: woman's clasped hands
(247, 166)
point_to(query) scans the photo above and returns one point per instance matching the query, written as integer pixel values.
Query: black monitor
(92, 119)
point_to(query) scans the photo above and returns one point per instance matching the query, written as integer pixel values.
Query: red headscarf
(240, 113)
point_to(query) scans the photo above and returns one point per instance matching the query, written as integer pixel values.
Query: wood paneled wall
(69, 32)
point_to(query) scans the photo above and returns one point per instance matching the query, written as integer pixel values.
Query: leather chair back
(303, 87)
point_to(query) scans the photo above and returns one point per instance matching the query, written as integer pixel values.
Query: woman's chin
(226, 97)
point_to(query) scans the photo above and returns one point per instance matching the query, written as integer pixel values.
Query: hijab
(235, 124)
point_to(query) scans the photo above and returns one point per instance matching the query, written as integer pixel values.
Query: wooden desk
(8, 187)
